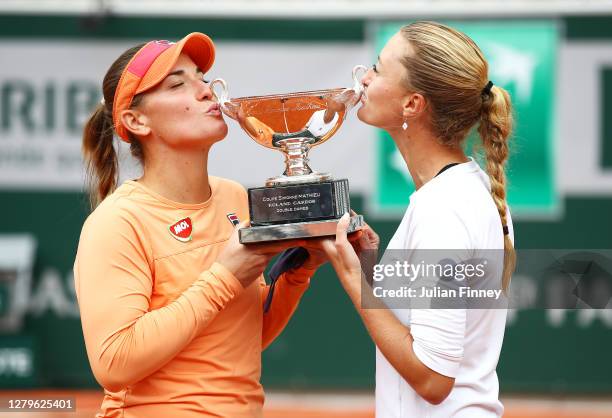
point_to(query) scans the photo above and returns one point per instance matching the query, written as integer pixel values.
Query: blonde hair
(449, 69)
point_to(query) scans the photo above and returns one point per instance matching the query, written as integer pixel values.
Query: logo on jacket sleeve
(233, 218)
(181, 230)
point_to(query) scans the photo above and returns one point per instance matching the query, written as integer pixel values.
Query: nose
(203, 91)
(367, 77)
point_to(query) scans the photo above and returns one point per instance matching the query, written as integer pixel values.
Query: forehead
(183, 61)
(395, 49)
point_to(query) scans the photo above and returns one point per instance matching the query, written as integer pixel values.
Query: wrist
(351, 279)
(223, 274)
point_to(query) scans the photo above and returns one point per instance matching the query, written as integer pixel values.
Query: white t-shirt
(453, 210)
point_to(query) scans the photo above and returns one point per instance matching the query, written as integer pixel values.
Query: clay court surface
(327, 405)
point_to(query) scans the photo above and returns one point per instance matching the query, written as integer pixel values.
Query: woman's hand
(318, 256)
(341, 253)
(247, 262)
(344, 251)
(368, 239)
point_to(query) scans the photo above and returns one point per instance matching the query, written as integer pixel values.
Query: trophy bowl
(299, 203)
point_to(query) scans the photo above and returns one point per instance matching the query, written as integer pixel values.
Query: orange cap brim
(151, 64)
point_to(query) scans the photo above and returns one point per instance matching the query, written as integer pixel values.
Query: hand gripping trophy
(300, 203)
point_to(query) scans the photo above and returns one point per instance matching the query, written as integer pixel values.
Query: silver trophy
(299, 203)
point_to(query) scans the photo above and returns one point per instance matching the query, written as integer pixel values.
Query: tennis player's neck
(425, 156)
(180, 178)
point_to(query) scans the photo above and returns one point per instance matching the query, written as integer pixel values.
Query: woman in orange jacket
(171, 303)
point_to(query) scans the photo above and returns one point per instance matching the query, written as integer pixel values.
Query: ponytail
(101, 164)
(495, 126)
(100, 156)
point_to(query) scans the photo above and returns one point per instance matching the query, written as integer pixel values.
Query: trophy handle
(357, 84)
(224, 96)
(227, 107)
(348, 98)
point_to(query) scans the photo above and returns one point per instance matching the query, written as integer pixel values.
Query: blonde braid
(495, 126)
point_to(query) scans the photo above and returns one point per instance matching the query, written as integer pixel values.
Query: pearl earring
(405, 125)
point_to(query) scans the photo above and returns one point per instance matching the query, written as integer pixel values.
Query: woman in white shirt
(429, 88)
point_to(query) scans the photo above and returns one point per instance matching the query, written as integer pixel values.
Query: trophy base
(302, 179)
(298, 203)
(296, 230)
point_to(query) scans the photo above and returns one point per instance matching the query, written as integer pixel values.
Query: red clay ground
(284, 405)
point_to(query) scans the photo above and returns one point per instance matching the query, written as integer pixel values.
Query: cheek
(166, 115)
(380, 108)
(375, 101)
(378, 90)
(186, 121)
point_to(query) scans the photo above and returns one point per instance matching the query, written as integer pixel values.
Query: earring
(405, 125)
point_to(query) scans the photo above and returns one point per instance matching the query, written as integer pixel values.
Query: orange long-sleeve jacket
(169, 332)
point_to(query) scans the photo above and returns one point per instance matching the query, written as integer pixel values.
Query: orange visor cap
(151, 64)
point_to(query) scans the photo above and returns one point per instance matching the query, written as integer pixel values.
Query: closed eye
(176, 85)
(374, 68)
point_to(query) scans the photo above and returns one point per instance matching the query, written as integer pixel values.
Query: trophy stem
(296, 155)
(297, 170)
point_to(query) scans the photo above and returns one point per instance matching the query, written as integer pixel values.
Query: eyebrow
(181, 72)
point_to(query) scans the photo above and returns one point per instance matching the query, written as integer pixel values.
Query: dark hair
(98, 149)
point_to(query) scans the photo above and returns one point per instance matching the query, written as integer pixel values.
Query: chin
(362, 115)
(218, 133)
(222, 132)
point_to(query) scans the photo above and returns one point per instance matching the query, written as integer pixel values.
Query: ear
(135, 122)
(414, 105)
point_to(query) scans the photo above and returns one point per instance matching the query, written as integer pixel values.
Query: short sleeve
(438, 235)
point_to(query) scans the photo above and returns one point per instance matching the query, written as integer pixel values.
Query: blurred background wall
(554, 57)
